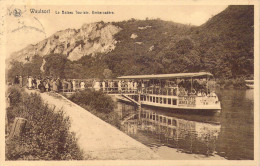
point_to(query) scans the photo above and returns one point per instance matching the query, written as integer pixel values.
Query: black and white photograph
(151, 83)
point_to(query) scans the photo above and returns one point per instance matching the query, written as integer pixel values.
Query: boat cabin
(179, 90)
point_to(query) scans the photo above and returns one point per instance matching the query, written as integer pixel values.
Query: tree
(55, 65)
(16, 69)
(32, 68)
(107, 73)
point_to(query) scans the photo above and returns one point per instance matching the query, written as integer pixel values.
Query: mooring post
(17, 128)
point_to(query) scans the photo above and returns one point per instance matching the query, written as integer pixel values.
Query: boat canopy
(165, 76)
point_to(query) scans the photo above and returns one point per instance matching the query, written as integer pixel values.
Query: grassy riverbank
(46, 135)
(98, 104)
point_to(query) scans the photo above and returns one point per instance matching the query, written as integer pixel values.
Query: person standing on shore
(41, 87)
(34, 82)
(82, 85)
(16, 80)
(30, 82)
(51, 83)
(104, 85)
(21, 81)
(119, 86)
(128, 86)
(131, 86)
(69, 85)
(54, 86)
(47, 85)
(135, 87)
(38, 81)
(63, 85)
(74, 85)
(58, 83)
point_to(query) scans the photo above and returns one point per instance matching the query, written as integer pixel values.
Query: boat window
(169, 101)
(156, 99)
(164, 100)
(160, 100)
(174, 123)
(153, 99)
(174, 102)
(164, 119)
(153, 116)
(169, 121)
(157, 117)
(160, 119)
(141, 97)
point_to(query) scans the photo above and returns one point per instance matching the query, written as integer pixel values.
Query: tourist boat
(189, 91)
(250, 84)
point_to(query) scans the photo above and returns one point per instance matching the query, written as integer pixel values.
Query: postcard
(130, 83)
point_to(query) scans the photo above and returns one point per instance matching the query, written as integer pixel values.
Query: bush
(96, 100)
(98, 104)
(15, 95)
(46, 136)
(238, 83)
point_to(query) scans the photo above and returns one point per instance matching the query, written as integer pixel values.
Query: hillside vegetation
(223, 46)
(46, 135)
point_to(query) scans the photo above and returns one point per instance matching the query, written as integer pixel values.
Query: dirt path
(98, 139)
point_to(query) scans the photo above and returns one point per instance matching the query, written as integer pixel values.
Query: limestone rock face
(90, 39)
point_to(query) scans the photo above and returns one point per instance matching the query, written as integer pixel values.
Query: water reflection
(155, 128)
(229, 134)
(236, 139)
(249, 94)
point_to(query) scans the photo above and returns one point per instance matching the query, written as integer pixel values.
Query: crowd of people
(48, 84)
(118, 85)
(181, 87)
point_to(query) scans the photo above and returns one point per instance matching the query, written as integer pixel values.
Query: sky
(32, 28)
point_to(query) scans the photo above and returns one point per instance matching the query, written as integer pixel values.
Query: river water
(225, 135)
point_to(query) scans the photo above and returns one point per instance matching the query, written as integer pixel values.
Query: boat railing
(115, 90)
(170, 91)
(167, 91)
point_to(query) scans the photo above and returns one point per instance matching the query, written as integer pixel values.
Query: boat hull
(208, 108)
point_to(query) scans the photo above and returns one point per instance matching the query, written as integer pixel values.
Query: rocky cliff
(90, 39)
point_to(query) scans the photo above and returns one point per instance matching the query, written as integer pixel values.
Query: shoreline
(98, 139)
